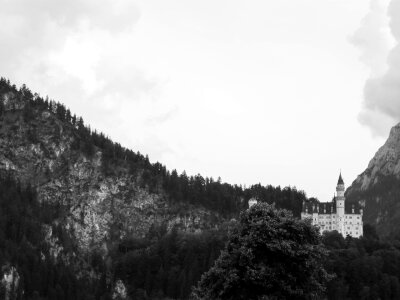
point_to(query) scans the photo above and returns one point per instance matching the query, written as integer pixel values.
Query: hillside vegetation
(107, 206)
(82, 217)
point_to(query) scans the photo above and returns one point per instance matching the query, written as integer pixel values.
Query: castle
(335, 215)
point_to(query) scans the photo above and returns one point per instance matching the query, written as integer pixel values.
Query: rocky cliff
(378, 187)
(95, 208)
(102, 216)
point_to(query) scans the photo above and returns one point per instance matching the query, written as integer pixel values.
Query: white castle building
(252, 201)
(335, 215)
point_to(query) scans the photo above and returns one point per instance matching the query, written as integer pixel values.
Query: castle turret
(340, 196)
(340, 218)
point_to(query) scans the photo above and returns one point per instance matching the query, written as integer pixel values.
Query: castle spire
(340, 181)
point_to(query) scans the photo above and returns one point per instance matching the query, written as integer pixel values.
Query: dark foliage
(169, 267)
(270, 256)
(381, 200)
(226, 199)
(366, 268)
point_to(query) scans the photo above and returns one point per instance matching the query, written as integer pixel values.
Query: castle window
(351, 217)
(358, 217)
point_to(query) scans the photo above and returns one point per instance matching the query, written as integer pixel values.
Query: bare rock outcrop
(378, 187)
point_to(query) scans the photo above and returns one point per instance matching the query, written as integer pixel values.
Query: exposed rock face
(97, 209)
(120, 291)
(378, 187)
(9, 282)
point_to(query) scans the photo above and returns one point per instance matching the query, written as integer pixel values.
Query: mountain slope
(97, 198)
(103, 205)
(378, 187)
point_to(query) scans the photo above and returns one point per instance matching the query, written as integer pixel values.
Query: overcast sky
(278, 92)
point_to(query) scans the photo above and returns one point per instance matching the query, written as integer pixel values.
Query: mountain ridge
(102, 203)
(378, 187)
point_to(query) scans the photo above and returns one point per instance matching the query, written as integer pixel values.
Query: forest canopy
(169, 264)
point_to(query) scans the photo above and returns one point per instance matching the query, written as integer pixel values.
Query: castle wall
(349, 224)
(353, 225)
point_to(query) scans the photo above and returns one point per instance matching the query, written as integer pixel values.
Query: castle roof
(340, 181)
(319, 207)
(329, 207)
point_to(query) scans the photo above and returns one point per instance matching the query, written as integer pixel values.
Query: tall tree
(270, 255)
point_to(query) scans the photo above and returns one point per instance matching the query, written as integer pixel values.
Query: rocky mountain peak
(378, 187)
(386, 161)
(389, 152)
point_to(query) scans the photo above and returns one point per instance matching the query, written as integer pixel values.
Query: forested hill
(99, 196)
(81, 217)
(35, 121)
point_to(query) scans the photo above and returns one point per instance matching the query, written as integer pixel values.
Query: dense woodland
(224, 198)
(269, 255)
(366, 268)
(154, 267)
(163, 265)
(171, 266)
(160, 267)
(388, 193)
(158, 248)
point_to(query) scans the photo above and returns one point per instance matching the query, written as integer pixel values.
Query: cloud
(373, 37)
(163, 117)
(381, 105)
(127, 80)
(66, 49)
(30, 30)
(82, 53)
(105, 14)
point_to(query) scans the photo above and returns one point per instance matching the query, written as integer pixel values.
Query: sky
(271, 92)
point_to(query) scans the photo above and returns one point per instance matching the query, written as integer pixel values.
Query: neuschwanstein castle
(335, 215)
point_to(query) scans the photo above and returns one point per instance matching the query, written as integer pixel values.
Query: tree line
(163, 264)
(226, 199)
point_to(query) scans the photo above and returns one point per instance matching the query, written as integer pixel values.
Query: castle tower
(340, 217)
(340, 196)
